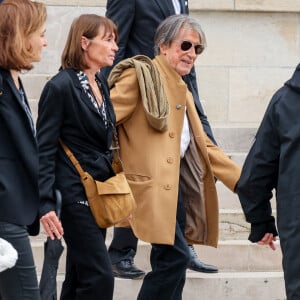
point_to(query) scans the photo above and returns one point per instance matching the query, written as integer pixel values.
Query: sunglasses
(186, 46)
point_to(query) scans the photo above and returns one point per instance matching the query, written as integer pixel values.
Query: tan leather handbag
(110, 201)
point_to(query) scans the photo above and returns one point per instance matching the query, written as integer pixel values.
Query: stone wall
(253, 48)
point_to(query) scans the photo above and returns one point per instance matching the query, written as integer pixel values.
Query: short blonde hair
(85, 25)
(18, 20)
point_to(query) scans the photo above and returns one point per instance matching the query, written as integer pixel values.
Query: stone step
(220, 286)
(229, 256)
(233, 255)
(232, 225)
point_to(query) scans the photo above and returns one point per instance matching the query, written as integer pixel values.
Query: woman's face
(100, 51)
(36, 42)
(182, 61)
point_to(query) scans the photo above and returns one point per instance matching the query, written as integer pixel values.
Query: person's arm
(123, 14)
(124, 95)
(259, 178)
(223, 168)
(50, 118)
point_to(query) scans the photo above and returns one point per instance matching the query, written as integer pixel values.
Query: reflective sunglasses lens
(185, 45)
(199, 49)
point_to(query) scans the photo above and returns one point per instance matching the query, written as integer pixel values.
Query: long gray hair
(169, 29)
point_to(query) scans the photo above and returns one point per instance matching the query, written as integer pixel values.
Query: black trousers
(124, 242)
(19, 282)
(88, 268)
(167, 278)
(123, 245)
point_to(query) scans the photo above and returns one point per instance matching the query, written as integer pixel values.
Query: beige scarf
(154, 99)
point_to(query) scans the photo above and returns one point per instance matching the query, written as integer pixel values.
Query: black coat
(273, 163)
(19, 197)
(137, 21)
(66, 112)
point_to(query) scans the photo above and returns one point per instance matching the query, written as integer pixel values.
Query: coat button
(167, 187)
(170, 160)
(172, 134)
(178, 106)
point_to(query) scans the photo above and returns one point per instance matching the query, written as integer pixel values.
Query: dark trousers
(290, 250)
(168, 263)
(88, 268)
(19, 282)
(123, 245)
(124, 242)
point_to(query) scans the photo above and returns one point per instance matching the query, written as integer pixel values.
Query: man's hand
(268, 239)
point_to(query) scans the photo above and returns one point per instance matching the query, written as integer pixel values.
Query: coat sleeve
(260, 170)
(223, 168)
(125, 95)
(50, 118)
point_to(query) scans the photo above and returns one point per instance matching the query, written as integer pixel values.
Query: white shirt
(185, 135)
(177, 8)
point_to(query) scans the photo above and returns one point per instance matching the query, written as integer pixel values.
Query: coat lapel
(17, 125)
(83, 94)
(184, 6)
(166, 7)
(15, 91)
(17, 96)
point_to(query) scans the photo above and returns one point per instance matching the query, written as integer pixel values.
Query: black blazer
(65, 112)
(137, 21)
(19, 197)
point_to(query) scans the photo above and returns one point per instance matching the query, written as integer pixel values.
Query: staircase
(246, 271)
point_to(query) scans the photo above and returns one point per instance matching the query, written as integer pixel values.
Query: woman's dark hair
(86, 25)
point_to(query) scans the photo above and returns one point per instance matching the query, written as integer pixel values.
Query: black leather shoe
(127, 269)
(196, 265)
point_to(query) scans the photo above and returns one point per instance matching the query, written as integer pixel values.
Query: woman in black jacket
(22, 37)
(75, 108)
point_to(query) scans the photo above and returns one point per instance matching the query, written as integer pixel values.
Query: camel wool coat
(153, 166)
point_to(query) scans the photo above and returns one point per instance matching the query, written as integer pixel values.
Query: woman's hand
(52, 225)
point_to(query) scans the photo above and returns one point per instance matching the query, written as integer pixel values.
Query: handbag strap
(76, 163)
(73, 159)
